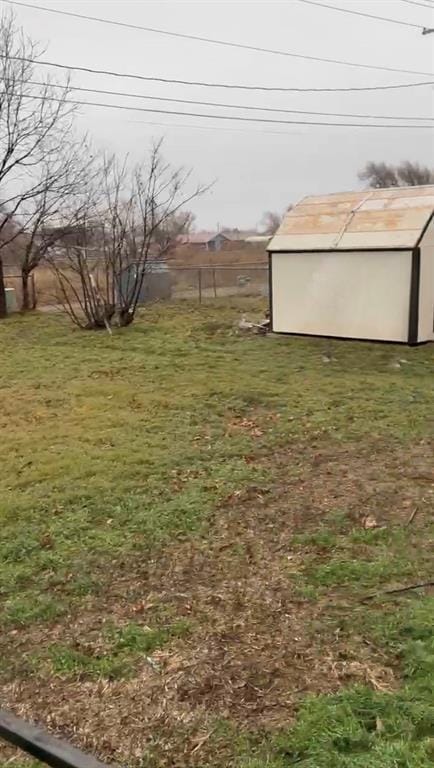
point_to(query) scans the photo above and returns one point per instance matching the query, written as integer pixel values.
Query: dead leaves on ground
(256, 646)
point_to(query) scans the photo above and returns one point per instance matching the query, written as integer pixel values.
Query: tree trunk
(26, 300)
(3, 308)
(126, 317)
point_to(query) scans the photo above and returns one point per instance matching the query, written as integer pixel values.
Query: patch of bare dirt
(359, 481)
(256, 647)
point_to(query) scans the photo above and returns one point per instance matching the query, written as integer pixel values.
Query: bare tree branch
(129, 225)
(40, 163)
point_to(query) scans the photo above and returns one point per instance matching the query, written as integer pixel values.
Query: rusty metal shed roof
(378, 218)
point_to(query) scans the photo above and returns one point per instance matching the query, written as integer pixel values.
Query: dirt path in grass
(258, 643)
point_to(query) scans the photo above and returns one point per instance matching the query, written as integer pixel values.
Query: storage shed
(356, 265)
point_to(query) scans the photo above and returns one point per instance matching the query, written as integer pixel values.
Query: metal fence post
(33, 284)
(199, 284)
(214, 284)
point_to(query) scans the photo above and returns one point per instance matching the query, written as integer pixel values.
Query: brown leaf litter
(256, 647)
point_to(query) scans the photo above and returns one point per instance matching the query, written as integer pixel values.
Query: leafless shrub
(125, 227)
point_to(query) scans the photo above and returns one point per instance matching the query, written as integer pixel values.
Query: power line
(218, 128)
(415, 2)
(361, 13)
(234, 106)
(213, 41)
(225, 117)
(280, 89)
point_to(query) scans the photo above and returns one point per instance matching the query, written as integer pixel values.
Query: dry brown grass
(230, 255)
(254, 649)
(185, 279)
(46, 288)
(184, 263)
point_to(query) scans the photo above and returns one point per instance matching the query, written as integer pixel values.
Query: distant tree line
(406, 174)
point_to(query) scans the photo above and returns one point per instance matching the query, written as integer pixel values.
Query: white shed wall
(426, 291)
(362, 294)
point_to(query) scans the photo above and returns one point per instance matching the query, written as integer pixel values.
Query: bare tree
(379, 175)
(35, 124)
(270, 222)
(169, 234)
(101, 281)
(413, 174)
(406, 174)
(56, 210)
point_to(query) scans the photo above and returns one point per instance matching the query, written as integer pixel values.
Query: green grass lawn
(184, 517)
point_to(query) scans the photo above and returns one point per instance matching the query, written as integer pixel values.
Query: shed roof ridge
(366, 189)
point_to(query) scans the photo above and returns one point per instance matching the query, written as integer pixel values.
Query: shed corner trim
(413, 313)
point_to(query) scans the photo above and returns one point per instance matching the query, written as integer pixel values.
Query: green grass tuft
(123, 648)
(364, 728)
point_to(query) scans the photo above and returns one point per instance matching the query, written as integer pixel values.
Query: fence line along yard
(200, 282)
(212, 281)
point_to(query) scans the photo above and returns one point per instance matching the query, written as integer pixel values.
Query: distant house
(204, 241)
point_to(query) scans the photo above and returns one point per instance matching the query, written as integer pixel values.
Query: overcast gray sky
(256, 167)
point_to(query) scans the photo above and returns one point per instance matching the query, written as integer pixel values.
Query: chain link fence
(198, 283)
(211, 282)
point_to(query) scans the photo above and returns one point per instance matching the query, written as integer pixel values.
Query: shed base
(351, 338)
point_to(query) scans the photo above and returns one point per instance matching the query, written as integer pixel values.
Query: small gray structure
(157, 281)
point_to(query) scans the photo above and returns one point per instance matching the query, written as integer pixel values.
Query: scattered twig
(412, 516)
(201, 742)
(398, 590)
